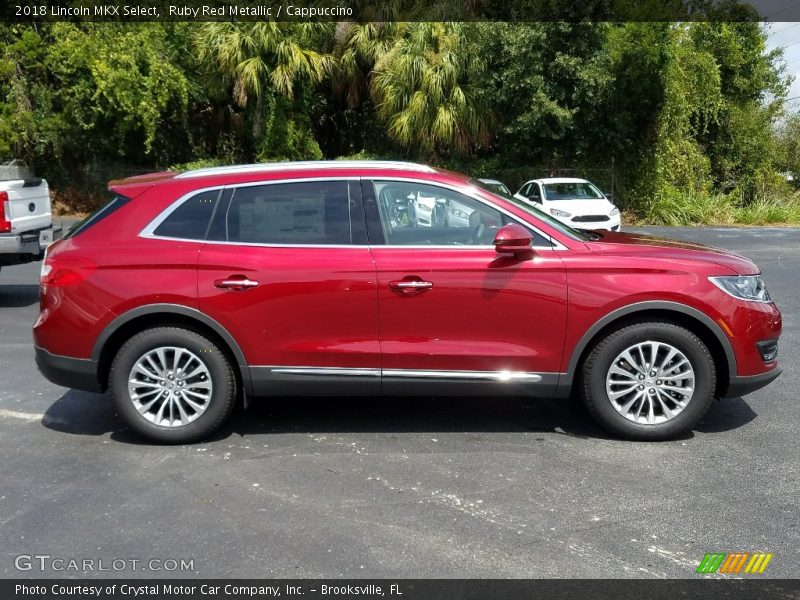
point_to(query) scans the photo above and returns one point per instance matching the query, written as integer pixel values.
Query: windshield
(496, 187)
(575, 234)
(582, 190)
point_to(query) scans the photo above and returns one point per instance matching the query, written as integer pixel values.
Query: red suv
(188, 293)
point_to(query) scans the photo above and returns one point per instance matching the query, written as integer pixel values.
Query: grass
(719, 209)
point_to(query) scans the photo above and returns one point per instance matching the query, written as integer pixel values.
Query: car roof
(561, 180)
(497, 181)
(232, 174)
(306, 165)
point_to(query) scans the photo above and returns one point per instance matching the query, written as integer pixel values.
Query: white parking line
(32, 417)
(13, 414)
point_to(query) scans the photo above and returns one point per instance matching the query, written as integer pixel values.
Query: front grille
(590, 219)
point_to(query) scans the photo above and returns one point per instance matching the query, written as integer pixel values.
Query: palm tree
(425, 89)
(359, 46)
(254, 58)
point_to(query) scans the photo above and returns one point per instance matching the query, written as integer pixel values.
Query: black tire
(223, 381)
(599, 361)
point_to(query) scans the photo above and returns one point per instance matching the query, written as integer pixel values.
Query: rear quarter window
(190, 220)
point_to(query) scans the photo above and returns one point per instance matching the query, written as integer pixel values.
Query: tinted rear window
(94, 218)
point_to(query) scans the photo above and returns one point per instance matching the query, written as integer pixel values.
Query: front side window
(418, 214)
(309, 212)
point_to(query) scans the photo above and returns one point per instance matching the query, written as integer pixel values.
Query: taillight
(5, 213)
(69, 270)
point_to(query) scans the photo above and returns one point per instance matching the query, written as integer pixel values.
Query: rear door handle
(235, 283)
(410, 286)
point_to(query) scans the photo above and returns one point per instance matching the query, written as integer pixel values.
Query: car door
(287, 272)
(453, 314)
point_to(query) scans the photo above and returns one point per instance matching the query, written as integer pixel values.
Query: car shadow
(18, 295)
(725, 415)
(413, 415)
(83, 413)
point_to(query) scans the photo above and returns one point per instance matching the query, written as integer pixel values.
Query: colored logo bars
(734, 562)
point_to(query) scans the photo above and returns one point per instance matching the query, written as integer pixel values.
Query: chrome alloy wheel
(650, 382)
(169, 386)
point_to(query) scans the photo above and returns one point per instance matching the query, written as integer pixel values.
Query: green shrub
(200, 163)
(676, 208)
(773, 209)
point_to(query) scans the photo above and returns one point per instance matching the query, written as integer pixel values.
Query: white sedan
(576, 202)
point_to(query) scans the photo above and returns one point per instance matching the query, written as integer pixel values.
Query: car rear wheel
(649, 381)
(172, 384)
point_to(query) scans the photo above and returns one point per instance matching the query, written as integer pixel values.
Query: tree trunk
(258, 119)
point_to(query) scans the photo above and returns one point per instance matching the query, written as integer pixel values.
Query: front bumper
(745, 384)
(76, 373)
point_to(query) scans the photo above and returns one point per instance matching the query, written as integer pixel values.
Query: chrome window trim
(149, 229)
(461, 190)
(503, 376)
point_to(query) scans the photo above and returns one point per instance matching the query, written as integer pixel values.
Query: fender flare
(637, 307)
(184, 311)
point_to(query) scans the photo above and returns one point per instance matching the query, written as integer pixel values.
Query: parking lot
(402, 488)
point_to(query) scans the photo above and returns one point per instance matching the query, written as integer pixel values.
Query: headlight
(744, 287)
(614, 212)
(559, 213)
(460, 214)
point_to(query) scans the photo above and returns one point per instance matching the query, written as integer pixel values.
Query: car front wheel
(172, 385)
(649, 381)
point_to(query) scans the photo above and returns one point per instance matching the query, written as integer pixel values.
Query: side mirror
(513, 239)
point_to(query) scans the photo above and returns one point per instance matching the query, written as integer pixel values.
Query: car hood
(600, 206)
(643, 244)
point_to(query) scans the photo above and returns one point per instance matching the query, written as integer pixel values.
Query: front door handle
(410, 286)
(235, 283)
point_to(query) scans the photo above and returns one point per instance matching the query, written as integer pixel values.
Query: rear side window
(311, 212)
(190, 220)
(94, 218)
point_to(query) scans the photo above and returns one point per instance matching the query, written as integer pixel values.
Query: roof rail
(311, 164)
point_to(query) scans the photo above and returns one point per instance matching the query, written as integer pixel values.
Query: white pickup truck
(26, 218)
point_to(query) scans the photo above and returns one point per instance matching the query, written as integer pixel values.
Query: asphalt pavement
(398, 488)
